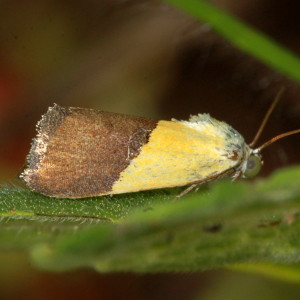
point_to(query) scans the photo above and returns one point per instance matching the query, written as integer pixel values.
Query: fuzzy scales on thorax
(229, 143)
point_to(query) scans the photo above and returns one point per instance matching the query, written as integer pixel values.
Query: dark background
(141, 58)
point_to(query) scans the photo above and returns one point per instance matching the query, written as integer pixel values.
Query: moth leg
(187, 190)
(237, 176)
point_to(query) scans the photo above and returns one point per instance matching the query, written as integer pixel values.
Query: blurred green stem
(243, 36)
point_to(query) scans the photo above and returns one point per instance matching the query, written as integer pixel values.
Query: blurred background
(148, 59)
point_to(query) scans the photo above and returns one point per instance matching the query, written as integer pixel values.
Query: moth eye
(253, 167)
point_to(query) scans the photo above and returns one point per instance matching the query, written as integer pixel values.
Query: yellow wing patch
(175, 155)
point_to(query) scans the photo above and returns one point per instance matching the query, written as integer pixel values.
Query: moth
(82, 152)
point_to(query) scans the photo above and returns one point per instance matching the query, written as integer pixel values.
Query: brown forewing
(86, 151)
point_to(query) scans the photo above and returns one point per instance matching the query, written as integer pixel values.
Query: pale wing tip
(45, 128)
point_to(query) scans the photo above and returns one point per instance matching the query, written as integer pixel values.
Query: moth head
(253, 164)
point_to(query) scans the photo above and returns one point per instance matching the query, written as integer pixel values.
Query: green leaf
(225, 223)
(243, 36)
(287, 272)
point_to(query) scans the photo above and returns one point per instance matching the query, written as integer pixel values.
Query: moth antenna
(276, 138)
(266, 118)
